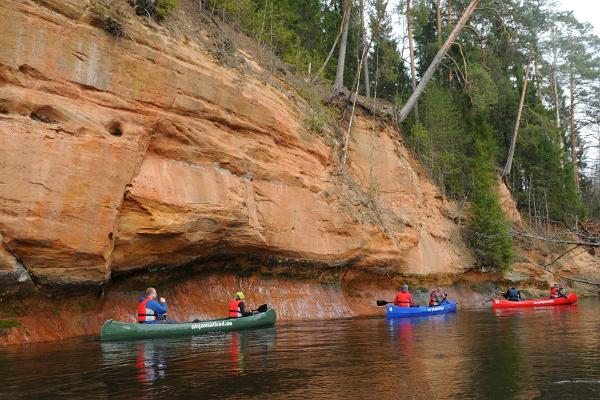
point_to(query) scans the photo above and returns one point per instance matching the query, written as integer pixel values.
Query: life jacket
(234, 309)
(144, 313)
(432, 301)
(403, 299)
(554, 293)
(513, 294)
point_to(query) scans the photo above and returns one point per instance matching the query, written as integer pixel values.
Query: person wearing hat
(237, 307)
(404, 298)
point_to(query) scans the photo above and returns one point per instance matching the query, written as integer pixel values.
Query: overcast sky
(585, 11)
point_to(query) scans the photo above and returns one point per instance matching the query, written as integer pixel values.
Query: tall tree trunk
(448, 17)
(332, 48)
(438, 15)
(556, 104)
(513, 142)
(448, 29)
(573, 132)
(411, 52)
(364, 40)
(557, 118)
(414, 97)
(338, 84)
(538, 84)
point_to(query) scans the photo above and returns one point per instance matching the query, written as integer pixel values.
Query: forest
(482, 90)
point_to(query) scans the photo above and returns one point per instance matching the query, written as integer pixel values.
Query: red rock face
(206, 296)
(122, 154)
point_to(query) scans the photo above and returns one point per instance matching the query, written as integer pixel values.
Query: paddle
(383, 302)
(262, 308)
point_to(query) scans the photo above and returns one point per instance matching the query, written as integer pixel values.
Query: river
(546, 353)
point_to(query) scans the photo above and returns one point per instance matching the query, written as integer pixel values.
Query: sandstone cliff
(121, 154)
(152, 151)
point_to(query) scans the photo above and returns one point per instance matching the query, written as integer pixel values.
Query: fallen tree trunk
(414, 97)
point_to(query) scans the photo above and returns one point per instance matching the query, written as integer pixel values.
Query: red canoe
(570, 299)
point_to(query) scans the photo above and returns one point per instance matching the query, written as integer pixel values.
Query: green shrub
(482, 89)
(9, 323)
(158, 9)
(109, 16)
(320, 115)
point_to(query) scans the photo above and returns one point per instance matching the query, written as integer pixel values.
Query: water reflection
(543, 353)
(236, 354)
(150, 363)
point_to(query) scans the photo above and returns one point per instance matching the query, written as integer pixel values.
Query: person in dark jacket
(512, 294)
(150, 310)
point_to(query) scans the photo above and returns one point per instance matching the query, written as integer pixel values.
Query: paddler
(404, 298)
(237, 307)
(437, 297)
(554, 291)
(562, 292)
(151, 311)
(512, 294)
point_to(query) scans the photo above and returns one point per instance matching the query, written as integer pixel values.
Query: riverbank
(51, 316)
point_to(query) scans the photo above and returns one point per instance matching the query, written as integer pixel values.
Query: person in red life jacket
(437, 297)
(404, 298)
(237, 308)
(554, 291)
(151, 311)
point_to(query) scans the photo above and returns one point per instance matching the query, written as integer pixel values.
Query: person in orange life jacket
(237, 308)
(404, 298)
(438, 297)
(151, 311)
(554, 291)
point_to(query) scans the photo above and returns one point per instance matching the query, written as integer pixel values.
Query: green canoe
(113, 330)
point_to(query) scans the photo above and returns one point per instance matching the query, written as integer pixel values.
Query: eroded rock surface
(126, 153)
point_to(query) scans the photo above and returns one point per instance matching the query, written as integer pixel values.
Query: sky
(585, 11)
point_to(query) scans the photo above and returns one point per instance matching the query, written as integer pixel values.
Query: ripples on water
(550, 353)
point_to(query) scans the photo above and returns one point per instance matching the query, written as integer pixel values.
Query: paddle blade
(382, 302)
(262, 308)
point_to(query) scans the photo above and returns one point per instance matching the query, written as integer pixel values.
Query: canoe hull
(114, 330)
(392, 311)
(570, 299)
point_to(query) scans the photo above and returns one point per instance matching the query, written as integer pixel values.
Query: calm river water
(551, 353)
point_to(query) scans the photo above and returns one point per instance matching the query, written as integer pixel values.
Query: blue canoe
(393, 311)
